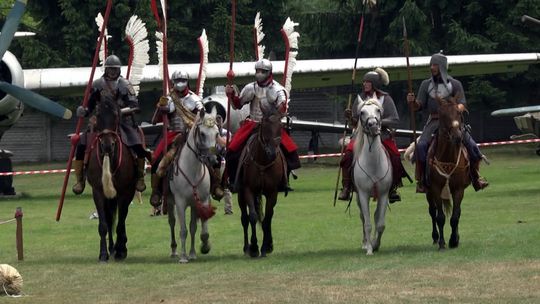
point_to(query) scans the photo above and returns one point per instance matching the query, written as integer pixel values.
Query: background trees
(67, 33)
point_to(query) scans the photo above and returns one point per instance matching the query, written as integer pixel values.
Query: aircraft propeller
(26, 96)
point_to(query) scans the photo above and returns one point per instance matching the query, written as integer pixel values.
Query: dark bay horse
(263, 172)
(112, 175)
(448, 173)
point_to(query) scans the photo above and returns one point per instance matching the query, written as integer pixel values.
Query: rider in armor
(441, 85)
(181, 106)
(264, 96)
(372, 82)
(112, 86)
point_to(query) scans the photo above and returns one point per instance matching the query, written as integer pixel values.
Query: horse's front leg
(181, 215)
(172, 222)
(441, 218)
(380, 214)
(244, 218)
(102, 230)
(432, 208)
(253, 218)
(110, 209)
(362, 199)
(268, 243)
(192, 232)
(205, 236)
(457, 197)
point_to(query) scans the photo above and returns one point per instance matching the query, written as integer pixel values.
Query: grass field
(317, 256)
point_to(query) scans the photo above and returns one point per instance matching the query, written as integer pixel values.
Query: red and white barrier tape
(497, 143)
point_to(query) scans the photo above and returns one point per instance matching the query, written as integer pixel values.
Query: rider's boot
(155, 197)
(394, 196)
(478, 182)
(346, 182)
(78, 166)
(419, 176)
(215, 183)
(165, 162)
(141, 163)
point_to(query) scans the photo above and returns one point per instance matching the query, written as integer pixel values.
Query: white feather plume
(203, 48)
(102, 47)
(159, 49)
(385, 80)
(136, 35)
(292, 41)
(259, 36)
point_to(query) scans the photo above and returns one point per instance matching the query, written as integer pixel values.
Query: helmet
(179, 74)
(113, 62)
(266, 66)
(377, 77)
(180, 79)
(442, 62)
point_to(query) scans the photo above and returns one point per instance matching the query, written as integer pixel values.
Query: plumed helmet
(377, 77)
(264, 64)
(442, 62)
(113, 62)
(179, 74)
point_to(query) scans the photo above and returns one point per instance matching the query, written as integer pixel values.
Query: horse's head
(450, 120)
(270, 133)
(371, 113)
(107, 121)
(205, 132)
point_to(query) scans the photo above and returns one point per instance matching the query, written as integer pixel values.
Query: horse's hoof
(174, 255)
(253, 251)
(369, 252)
(120, 256)
(183, 260)
(454, 242)
(205, 248)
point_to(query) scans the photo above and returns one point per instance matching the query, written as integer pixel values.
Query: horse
(263, 172)
(111, 173)
(189, 184)
(372, 171)
(448, 173)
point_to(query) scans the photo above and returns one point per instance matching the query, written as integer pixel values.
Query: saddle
(443, 166)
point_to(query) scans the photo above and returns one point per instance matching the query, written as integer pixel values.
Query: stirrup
(140, 186)
(78, 188)
(420, 188)
(480, 184)
(394, 196)
(218, 194)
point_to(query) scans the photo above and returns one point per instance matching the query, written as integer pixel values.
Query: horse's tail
(447, 206)
(106, 178)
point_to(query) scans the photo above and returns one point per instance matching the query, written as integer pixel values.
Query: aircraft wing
(308, 73)
(324, 127)
(515, 111)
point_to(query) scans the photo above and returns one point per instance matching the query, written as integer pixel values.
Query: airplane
(527, 120)
(19, 83)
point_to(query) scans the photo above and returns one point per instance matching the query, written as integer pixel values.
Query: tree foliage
(67, 32)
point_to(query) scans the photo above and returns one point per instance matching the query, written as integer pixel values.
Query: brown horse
(112, 175)
(263, 171)
(448, 173)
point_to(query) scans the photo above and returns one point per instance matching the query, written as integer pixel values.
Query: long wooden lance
(409, 81)
(230, 73)
(76, 137)
(165, 86)
(358, 41)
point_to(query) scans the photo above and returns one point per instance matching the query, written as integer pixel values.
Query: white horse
(372, 171)
(190, 184)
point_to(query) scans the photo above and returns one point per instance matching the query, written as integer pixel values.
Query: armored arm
(390, 118)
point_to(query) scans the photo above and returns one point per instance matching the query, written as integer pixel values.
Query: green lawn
(317, 256)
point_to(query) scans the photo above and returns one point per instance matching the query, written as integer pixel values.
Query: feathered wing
(159, 49)
(136, 37)
(291, 51)
(258, 36)
(203, 50)
(103, 46)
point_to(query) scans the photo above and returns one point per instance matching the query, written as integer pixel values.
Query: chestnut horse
(112, 175)
(448, 173)
(263, 172)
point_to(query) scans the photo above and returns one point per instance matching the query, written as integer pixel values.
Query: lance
(230, 73)
(359, 40)
(76, 137)
(409, 81)
(165, 85)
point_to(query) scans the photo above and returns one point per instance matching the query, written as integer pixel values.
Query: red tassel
(205, 211)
